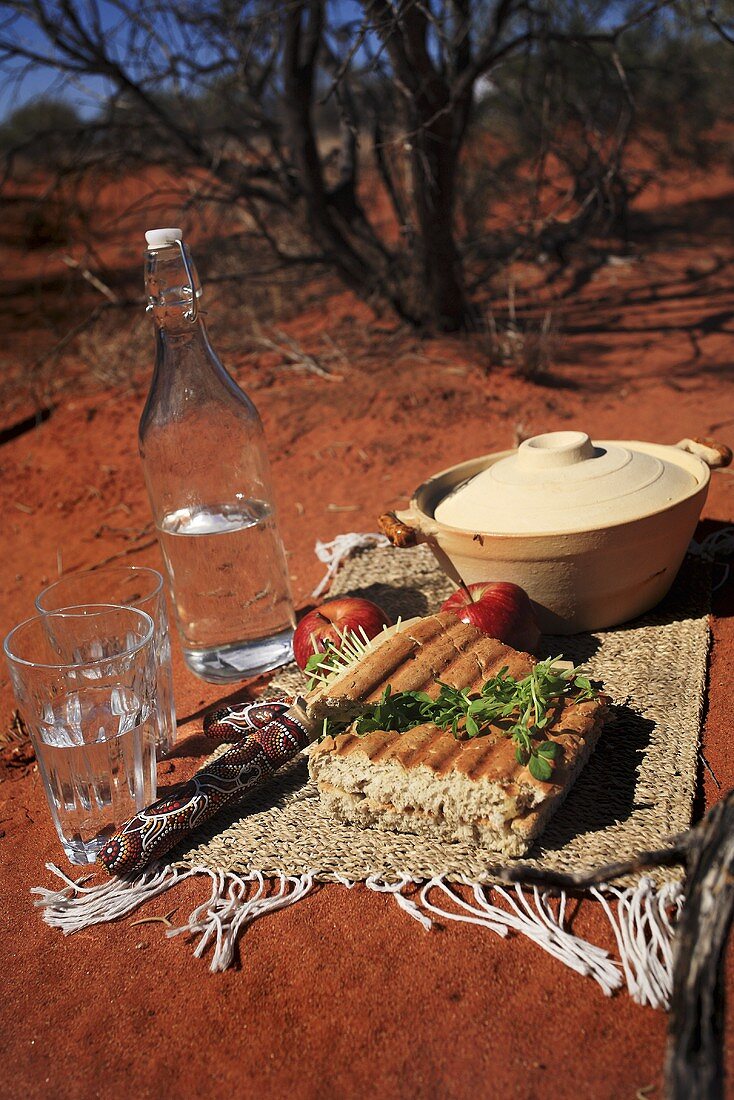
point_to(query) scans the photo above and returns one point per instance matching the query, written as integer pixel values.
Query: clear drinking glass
(85, 683)
(129, 586)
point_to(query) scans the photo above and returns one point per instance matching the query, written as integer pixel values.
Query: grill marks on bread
(437, 648)
(455, 653)
(488, 757)
(425, 781)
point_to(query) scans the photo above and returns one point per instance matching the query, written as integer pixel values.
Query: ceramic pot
(594, 532)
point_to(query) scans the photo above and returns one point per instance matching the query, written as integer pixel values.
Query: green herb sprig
(397, 710)
(521, 709)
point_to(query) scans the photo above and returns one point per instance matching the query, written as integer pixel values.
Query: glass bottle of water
(206, 469)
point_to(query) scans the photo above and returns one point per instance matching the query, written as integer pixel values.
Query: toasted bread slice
(425, 780)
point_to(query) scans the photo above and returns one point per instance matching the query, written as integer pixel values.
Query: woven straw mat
(636, 790)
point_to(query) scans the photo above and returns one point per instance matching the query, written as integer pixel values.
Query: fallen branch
(296, 356)
(566, 880)
(27, 424)
(694, 1060)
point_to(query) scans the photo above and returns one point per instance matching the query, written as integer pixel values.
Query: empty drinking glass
(85, 683)
(130, 586)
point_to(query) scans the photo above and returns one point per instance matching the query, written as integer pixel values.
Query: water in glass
(130, 586)
(96, 753)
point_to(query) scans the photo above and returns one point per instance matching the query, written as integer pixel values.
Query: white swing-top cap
(161, 238)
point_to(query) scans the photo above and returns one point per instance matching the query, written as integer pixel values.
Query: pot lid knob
(555, 449)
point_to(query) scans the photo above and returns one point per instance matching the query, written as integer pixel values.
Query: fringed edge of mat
(642, 918)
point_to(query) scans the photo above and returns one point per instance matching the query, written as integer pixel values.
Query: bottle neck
(173, 290)
(187, 370)
(175, 332)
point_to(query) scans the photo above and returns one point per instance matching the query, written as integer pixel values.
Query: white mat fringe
(642, 918)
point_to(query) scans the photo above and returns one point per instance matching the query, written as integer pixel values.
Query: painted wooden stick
(279, 731)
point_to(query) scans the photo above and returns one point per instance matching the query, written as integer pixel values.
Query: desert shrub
(41, 130)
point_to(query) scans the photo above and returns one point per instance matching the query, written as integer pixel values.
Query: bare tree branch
(244, 99)
(716, 23)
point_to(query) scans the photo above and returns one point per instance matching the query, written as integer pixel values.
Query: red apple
(331, 619)
(497, 608)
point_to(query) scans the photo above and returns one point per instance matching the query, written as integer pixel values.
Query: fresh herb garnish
(399, 711)
(520, 709)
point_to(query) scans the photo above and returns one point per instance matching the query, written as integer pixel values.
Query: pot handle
(710, 451)
(399, 532)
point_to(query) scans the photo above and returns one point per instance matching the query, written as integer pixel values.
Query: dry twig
(92, 279)
(295, 355)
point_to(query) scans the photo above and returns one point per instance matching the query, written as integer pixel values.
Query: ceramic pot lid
(562, 482)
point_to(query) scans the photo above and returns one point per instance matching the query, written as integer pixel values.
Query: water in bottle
(206, 469)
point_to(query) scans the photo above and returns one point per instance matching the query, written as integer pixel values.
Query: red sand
(343, 995)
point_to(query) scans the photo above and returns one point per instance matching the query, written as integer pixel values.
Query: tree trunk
(436, 120)
(440, 276)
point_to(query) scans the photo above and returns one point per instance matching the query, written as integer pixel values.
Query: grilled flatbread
(426, 781)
